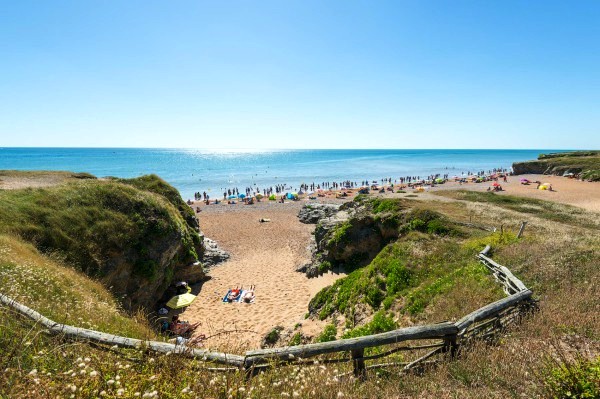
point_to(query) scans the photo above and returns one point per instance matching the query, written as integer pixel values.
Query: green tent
(272, 197)
(181, 301)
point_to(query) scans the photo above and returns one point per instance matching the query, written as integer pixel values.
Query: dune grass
(552, 211)
(87, 221)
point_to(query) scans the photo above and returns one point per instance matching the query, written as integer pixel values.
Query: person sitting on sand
(180, 327)
(196, 341)
(249, 294)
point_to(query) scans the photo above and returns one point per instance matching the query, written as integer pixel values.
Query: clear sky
(300, 74)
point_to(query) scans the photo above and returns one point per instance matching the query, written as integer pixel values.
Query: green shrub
(329, 333)
(380, 205)
(574, 379)
(273, 336)
(296, 339)
(341, 234)
(382, 322)
(324, 267)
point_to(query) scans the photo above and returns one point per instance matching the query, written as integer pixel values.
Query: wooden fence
(425, 341)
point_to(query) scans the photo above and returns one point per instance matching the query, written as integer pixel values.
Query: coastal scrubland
(583, 163)
(425, 273)
(133, 235)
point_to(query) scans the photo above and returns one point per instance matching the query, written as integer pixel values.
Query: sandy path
(264, 254)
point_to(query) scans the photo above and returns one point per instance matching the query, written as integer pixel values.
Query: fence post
(521, 229)
(451, 345)
(360, 371)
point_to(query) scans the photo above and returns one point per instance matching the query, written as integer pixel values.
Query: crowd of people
(279, 191)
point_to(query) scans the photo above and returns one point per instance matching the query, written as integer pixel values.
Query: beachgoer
(180, 327)
(195, 341)
(234, 294)
(249, 295)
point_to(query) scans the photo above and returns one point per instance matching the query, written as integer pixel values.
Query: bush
(329, 333)
(296, 339)
(381, 205)
(381, 323)
(273, 336)
(574, 379)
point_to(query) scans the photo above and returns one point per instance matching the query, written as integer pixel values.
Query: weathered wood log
(521, 229)
(289, 354)
(76, 333)
(492, 309)
(513, 279)
(485, 250)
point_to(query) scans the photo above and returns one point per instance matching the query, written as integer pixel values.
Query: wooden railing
(427, 341)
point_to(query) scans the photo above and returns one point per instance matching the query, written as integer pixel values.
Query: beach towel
(225, 297)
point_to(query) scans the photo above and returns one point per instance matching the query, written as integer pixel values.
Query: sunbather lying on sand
(234, 294)
(249, 294)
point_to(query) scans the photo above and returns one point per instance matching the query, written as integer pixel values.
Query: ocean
(196, 170)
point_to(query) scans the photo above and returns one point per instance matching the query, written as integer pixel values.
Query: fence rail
(443, 338)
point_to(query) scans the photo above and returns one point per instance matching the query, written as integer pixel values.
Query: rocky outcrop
(312, 213)
(346, 238)
(584, 163)
(543, 168)
(213, 254)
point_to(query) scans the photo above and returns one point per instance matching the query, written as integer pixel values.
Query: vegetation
(409, 272)
(577, 378)
(587, 163)
(86, 222)
(543, 209)
(329, 333)
(434, 273)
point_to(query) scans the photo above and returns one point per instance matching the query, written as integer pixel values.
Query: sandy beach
(262, 254)
(574, 192)
(267, 254)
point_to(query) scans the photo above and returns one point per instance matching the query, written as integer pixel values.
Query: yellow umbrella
(181, 301)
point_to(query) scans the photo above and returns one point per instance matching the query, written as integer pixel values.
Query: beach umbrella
(181, 301)
(242, 195)
(496, 184)
(258, 196)
(232, 197)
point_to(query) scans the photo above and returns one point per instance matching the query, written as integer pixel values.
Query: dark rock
(312, 213)
(213, 255)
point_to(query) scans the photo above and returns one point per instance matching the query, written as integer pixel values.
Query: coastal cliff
(135, 236)
(583, 163)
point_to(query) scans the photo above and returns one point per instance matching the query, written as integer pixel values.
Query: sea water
(213, 171)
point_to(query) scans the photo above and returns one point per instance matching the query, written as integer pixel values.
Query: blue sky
(300, 74)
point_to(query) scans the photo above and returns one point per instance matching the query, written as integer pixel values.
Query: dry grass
(557, 260)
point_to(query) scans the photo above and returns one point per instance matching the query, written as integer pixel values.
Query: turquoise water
(212, 171)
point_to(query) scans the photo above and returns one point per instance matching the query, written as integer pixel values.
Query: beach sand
(262, 254)
(267, 254)
(574, 192)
